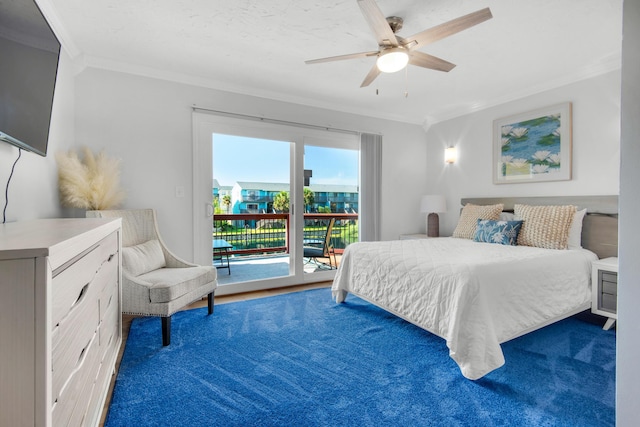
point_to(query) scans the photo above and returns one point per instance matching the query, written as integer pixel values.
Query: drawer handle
(82, 293)
(83, 353)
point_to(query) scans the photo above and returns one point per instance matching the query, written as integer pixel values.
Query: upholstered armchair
(155, 282)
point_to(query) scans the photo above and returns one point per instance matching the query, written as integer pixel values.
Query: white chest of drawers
(60, 320)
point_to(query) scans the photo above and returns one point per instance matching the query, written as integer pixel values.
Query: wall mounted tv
(29, 52)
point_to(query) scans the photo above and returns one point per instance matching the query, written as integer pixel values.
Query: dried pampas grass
(91, 183)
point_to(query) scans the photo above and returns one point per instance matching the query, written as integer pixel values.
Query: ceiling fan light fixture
(392, 60)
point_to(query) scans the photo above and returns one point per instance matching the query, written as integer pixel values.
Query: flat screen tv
(29, 52)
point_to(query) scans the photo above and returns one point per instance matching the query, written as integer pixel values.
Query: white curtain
(370, 183)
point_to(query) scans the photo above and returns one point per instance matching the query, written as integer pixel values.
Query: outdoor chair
(321, 249)
(155, 282)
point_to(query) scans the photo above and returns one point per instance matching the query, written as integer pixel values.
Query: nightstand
(604, 289)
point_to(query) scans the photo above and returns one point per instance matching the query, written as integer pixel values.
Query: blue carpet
(302, 360)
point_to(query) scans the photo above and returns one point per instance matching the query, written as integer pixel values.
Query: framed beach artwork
(533, 146)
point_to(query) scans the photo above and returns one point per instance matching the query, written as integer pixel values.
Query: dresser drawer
(75, 328)
(70, 341)
(97, 394)
(70, 407)
(72, 333)
(70, 286)
(109, 316)
(609, 288)
(109, 348)
(109, 295)
(609, 276)
(609, 303)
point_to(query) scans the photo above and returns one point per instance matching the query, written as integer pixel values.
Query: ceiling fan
(395, 52)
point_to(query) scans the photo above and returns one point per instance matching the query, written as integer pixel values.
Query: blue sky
(249, 159)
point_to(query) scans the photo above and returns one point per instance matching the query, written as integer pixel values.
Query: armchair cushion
(167, 284)
(143, 258)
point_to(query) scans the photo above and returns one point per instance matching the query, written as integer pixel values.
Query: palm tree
(309, 198)
(226, 200)
(281, 201)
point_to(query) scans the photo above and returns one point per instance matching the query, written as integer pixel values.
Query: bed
(476, 295)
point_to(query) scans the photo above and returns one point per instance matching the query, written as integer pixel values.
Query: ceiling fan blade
(428, 61)
(378, 23)
(447, 29)
(375, 72)
(342, 57)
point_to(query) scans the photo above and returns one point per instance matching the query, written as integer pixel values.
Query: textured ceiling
(259, 48)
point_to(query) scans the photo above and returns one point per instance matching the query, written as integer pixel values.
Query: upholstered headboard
(600, 225)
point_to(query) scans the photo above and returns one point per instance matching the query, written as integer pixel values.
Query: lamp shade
(450, 154)
(392, 60)
(433, 204)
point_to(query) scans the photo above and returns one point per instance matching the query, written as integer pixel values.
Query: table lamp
(433, 204)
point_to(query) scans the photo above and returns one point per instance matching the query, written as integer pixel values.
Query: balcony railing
(252, 234)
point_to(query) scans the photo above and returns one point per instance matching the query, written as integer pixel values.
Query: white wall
(628, 328)
(596, 147)
(33, 189)
(147, 123)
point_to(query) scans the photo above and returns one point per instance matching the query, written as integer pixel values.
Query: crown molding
(150, 72)
(609, 64)
(49, 12)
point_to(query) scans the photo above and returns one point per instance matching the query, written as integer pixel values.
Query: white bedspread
(474, 295)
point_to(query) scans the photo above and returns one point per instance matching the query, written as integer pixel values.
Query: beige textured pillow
(470, 215)
(143, 258)
(545, 226)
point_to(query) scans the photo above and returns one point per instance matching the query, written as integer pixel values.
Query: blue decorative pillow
(502, 232)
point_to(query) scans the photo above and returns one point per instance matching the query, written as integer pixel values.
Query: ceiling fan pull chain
(406, 82)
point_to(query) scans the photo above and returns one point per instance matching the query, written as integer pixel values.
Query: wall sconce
(431, 205)
(450, 154)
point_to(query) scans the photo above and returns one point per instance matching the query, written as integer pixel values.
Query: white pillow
(507, 216)
(143, 258)
(575, 232)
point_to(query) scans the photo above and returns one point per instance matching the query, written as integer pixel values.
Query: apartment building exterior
(257, 197)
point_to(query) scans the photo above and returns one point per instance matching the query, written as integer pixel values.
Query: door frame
(205, 124)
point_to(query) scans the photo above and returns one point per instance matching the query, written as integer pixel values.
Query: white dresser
(60, 320)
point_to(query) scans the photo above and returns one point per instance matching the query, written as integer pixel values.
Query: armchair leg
(210, 302)
(166, 330)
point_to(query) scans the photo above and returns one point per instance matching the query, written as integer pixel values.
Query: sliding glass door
(251, 208)
(331, 198)
(274, 205)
